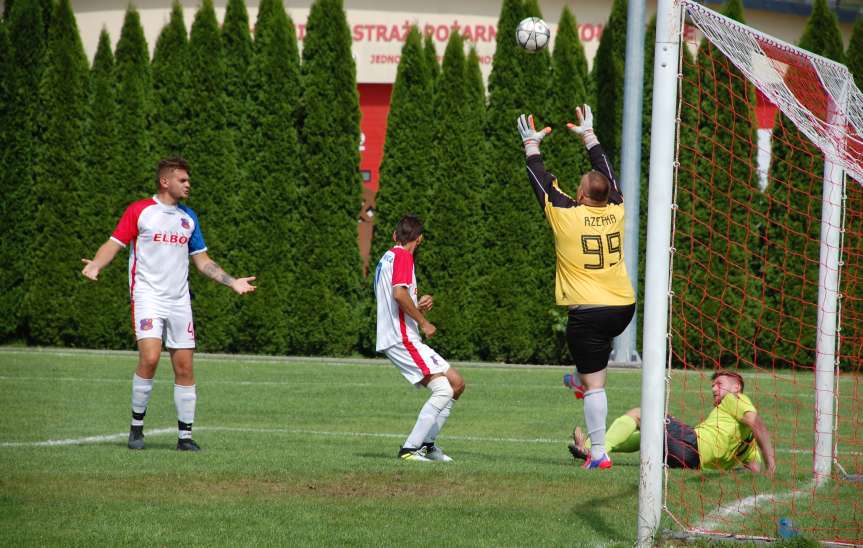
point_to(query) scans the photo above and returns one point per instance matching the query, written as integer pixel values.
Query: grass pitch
(302, 452)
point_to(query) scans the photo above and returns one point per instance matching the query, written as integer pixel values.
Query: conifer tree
(646, 121)
(99, 212)
(720, 287)
(26, 59)
(793, 222)
(452, 249)
(477, 167)
(238, 50)
(9, 323)
(5, 111)
(537, 67)
(134, 87)
(430, 53)
(58, 185)
(854, 54)
(563, 152)
(852, 286)
(607, 76)
(266, 10)
(275, 171)
(170, 71)
(519, 251)
(330, 137)
(212, 159)
(406, 168)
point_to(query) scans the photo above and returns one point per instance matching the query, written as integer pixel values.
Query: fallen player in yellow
(732, 435)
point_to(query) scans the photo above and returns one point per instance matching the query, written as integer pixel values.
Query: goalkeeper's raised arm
(542, 181)
(598, 159)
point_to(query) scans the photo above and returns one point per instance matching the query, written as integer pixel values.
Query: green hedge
(27, 46)
(273, 144)
(329, 264)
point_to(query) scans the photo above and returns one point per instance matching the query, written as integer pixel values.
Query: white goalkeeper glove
(530, 137)
(584, 129)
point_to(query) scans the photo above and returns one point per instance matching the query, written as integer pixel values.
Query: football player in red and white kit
(400, 317)
(163, 234)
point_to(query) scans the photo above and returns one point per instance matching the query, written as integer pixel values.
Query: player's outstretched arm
(104, 255)
(210, 269)
(762, 437)
(403, 298)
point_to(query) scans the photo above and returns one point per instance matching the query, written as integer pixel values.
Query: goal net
(767, 280)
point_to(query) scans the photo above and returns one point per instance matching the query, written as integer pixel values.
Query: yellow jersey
(724, 442)
(588, 240)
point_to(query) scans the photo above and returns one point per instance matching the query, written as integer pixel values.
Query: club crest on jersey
(147, 324)
(184, 222)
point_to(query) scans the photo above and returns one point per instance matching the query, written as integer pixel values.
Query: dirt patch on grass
(175, 487)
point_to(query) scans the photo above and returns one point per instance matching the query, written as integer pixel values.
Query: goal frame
(659, 259)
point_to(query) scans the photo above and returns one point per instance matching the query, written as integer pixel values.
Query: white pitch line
(262, 383)
(10, 378)
(742, 506)
(81, 441)
(299, 431)
(166, 381)
(160, 431)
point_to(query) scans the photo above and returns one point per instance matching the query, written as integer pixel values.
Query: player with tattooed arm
(162, 234)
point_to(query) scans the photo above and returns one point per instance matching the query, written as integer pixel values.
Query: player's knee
(635, 413)
(457, 383)
(458, 390)
(147, 362)
(442, 392)
(184, 374)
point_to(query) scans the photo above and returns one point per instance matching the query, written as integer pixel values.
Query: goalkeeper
(732, 435)
(591, 276)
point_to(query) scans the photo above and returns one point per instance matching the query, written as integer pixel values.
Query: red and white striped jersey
(396, 268)
(162, 237)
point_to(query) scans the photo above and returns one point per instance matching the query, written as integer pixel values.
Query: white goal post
(837, 135)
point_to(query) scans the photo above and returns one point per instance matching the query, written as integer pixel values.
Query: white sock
(441, 396)
(141, 391)
(184, 399)
(439, 422)
(595, 414)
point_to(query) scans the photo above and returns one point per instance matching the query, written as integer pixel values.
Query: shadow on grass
(593, 512)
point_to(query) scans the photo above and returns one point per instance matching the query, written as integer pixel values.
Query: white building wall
(378, 27)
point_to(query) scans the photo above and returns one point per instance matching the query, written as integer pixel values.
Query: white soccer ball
(532, 34)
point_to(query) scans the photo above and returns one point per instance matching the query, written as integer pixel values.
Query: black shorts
(590, 331)
(681, 444)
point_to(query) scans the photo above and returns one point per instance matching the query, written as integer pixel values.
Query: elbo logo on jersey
(170, 239)
(146, 324)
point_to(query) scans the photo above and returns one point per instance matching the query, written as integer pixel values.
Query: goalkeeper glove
(584, 129)
(530, 137)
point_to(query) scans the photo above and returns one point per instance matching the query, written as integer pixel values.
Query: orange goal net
(767, 280)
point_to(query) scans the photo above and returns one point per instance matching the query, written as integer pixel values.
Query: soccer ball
(532, 34)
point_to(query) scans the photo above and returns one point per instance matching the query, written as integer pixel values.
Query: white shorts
(173, 321)
(416, 360)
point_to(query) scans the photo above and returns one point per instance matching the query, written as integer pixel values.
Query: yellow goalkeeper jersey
(724, 442)
(588, 240)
